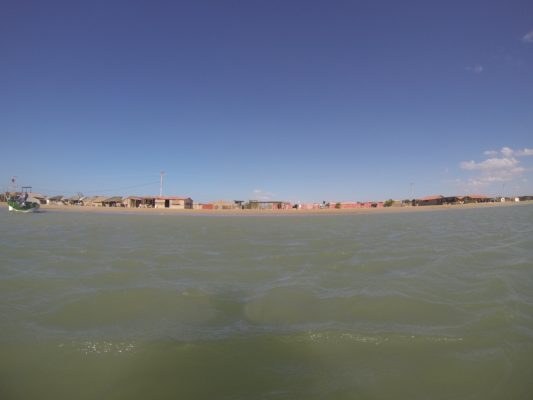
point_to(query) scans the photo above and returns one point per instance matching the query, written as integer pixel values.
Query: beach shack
(139, 202)
(133, 201)
(477, 198)
(55, 200)
(114, 201)
(86, 200)
(76, 200)
(173, 202)
(268, 205)
(345, 205)
(435, 200)
(226, 205)
(96, 201)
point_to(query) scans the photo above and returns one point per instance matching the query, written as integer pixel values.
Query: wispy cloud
(524, 152)
(508, 152)
(490, 164)
(476, 69)
(501, 166)
(259, 194)
(528, 37)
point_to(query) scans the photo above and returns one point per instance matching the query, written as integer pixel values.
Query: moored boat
(21, 205)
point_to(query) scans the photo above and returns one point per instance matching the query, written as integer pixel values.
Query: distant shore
(289, 212)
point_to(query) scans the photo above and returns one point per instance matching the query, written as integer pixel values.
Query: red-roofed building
(435, 200)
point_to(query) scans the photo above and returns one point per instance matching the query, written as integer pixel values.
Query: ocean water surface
(429, 305)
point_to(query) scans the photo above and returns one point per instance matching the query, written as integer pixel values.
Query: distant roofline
(158, 197)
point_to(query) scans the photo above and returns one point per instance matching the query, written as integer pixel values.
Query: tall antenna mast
(161, 183)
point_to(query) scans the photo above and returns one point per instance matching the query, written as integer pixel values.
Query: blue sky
(291, 100)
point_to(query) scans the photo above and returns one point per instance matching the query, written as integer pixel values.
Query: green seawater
(432, 305)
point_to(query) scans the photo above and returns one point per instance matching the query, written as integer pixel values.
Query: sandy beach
(290, 212)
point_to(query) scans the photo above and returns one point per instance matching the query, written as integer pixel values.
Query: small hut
(96, 201)
(175, 202)
(268, 205)
(76, 200)
(115, 201)
(435, 200)
(55, 200)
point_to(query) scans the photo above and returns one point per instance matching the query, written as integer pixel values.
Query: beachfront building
(96, 201)
(450, 200)
(223, 205)
(87, 200)
(76, 200)
(344, 205)
(114, 201)
(173, 202)
(139, 202)
(268, 205)
(55, 200)
(435, 200)
(309, 206)
(476, 198)
(179, 203)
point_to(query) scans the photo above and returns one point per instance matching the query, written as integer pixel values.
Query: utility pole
(161, 183)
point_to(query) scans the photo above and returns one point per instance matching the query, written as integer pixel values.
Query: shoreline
(290, 212)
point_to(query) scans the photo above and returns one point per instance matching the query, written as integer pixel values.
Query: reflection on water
(429, 305)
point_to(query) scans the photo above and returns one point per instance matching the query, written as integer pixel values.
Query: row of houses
(285, 205)
(437, 200)
(108, 201)
(131, 201)
(177, 202)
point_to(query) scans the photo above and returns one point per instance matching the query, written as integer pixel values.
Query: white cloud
(488, 178)
(476, 69)
(507, 152)
(528, 37)
(524, 152)
(489, 164)
(499, 168)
